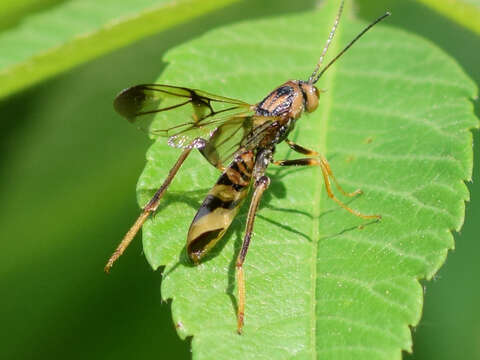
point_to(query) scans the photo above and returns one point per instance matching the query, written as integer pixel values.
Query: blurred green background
(69, 166)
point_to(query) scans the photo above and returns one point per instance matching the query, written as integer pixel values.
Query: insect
(237, 138)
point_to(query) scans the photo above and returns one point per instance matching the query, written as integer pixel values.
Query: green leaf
(394, 122)
(53, 41)
(12, 11)
(463, 12)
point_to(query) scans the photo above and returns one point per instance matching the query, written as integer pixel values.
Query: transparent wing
(180, 113)
(240, 133)
(226, 139)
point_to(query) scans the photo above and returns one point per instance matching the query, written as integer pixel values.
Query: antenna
(329, 40)
(314, 77)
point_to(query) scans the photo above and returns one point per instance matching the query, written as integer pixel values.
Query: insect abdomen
(220, 206)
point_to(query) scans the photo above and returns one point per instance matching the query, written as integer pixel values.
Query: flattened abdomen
(220, 206)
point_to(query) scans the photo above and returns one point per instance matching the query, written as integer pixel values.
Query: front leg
(300, 149)
(327, 174)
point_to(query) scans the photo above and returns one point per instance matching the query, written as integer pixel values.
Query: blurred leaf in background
(12, 12)
(69, 167)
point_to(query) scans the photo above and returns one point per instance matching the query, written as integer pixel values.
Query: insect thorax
(286, 100)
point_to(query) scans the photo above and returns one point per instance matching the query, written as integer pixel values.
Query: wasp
(237, 138)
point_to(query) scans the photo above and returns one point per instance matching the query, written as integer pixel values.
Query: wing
(179, 113)
(239, 134)
(226, 140)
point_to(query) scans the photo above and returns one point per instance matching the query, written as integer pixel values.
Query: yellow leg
(326, 165)
(302, 150)
(327, 174)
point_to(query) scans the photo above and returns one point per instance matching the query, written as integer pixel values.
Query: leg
(147, 210)
(260, 186)
(326, 165)
(327, 174)
(301, 149)
(308, 152)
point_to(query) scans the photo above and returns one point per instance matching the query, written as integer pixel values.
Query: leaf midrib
(323, 126)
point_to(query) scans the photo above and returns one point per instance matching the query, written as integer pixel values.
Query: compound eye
(312, 98)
